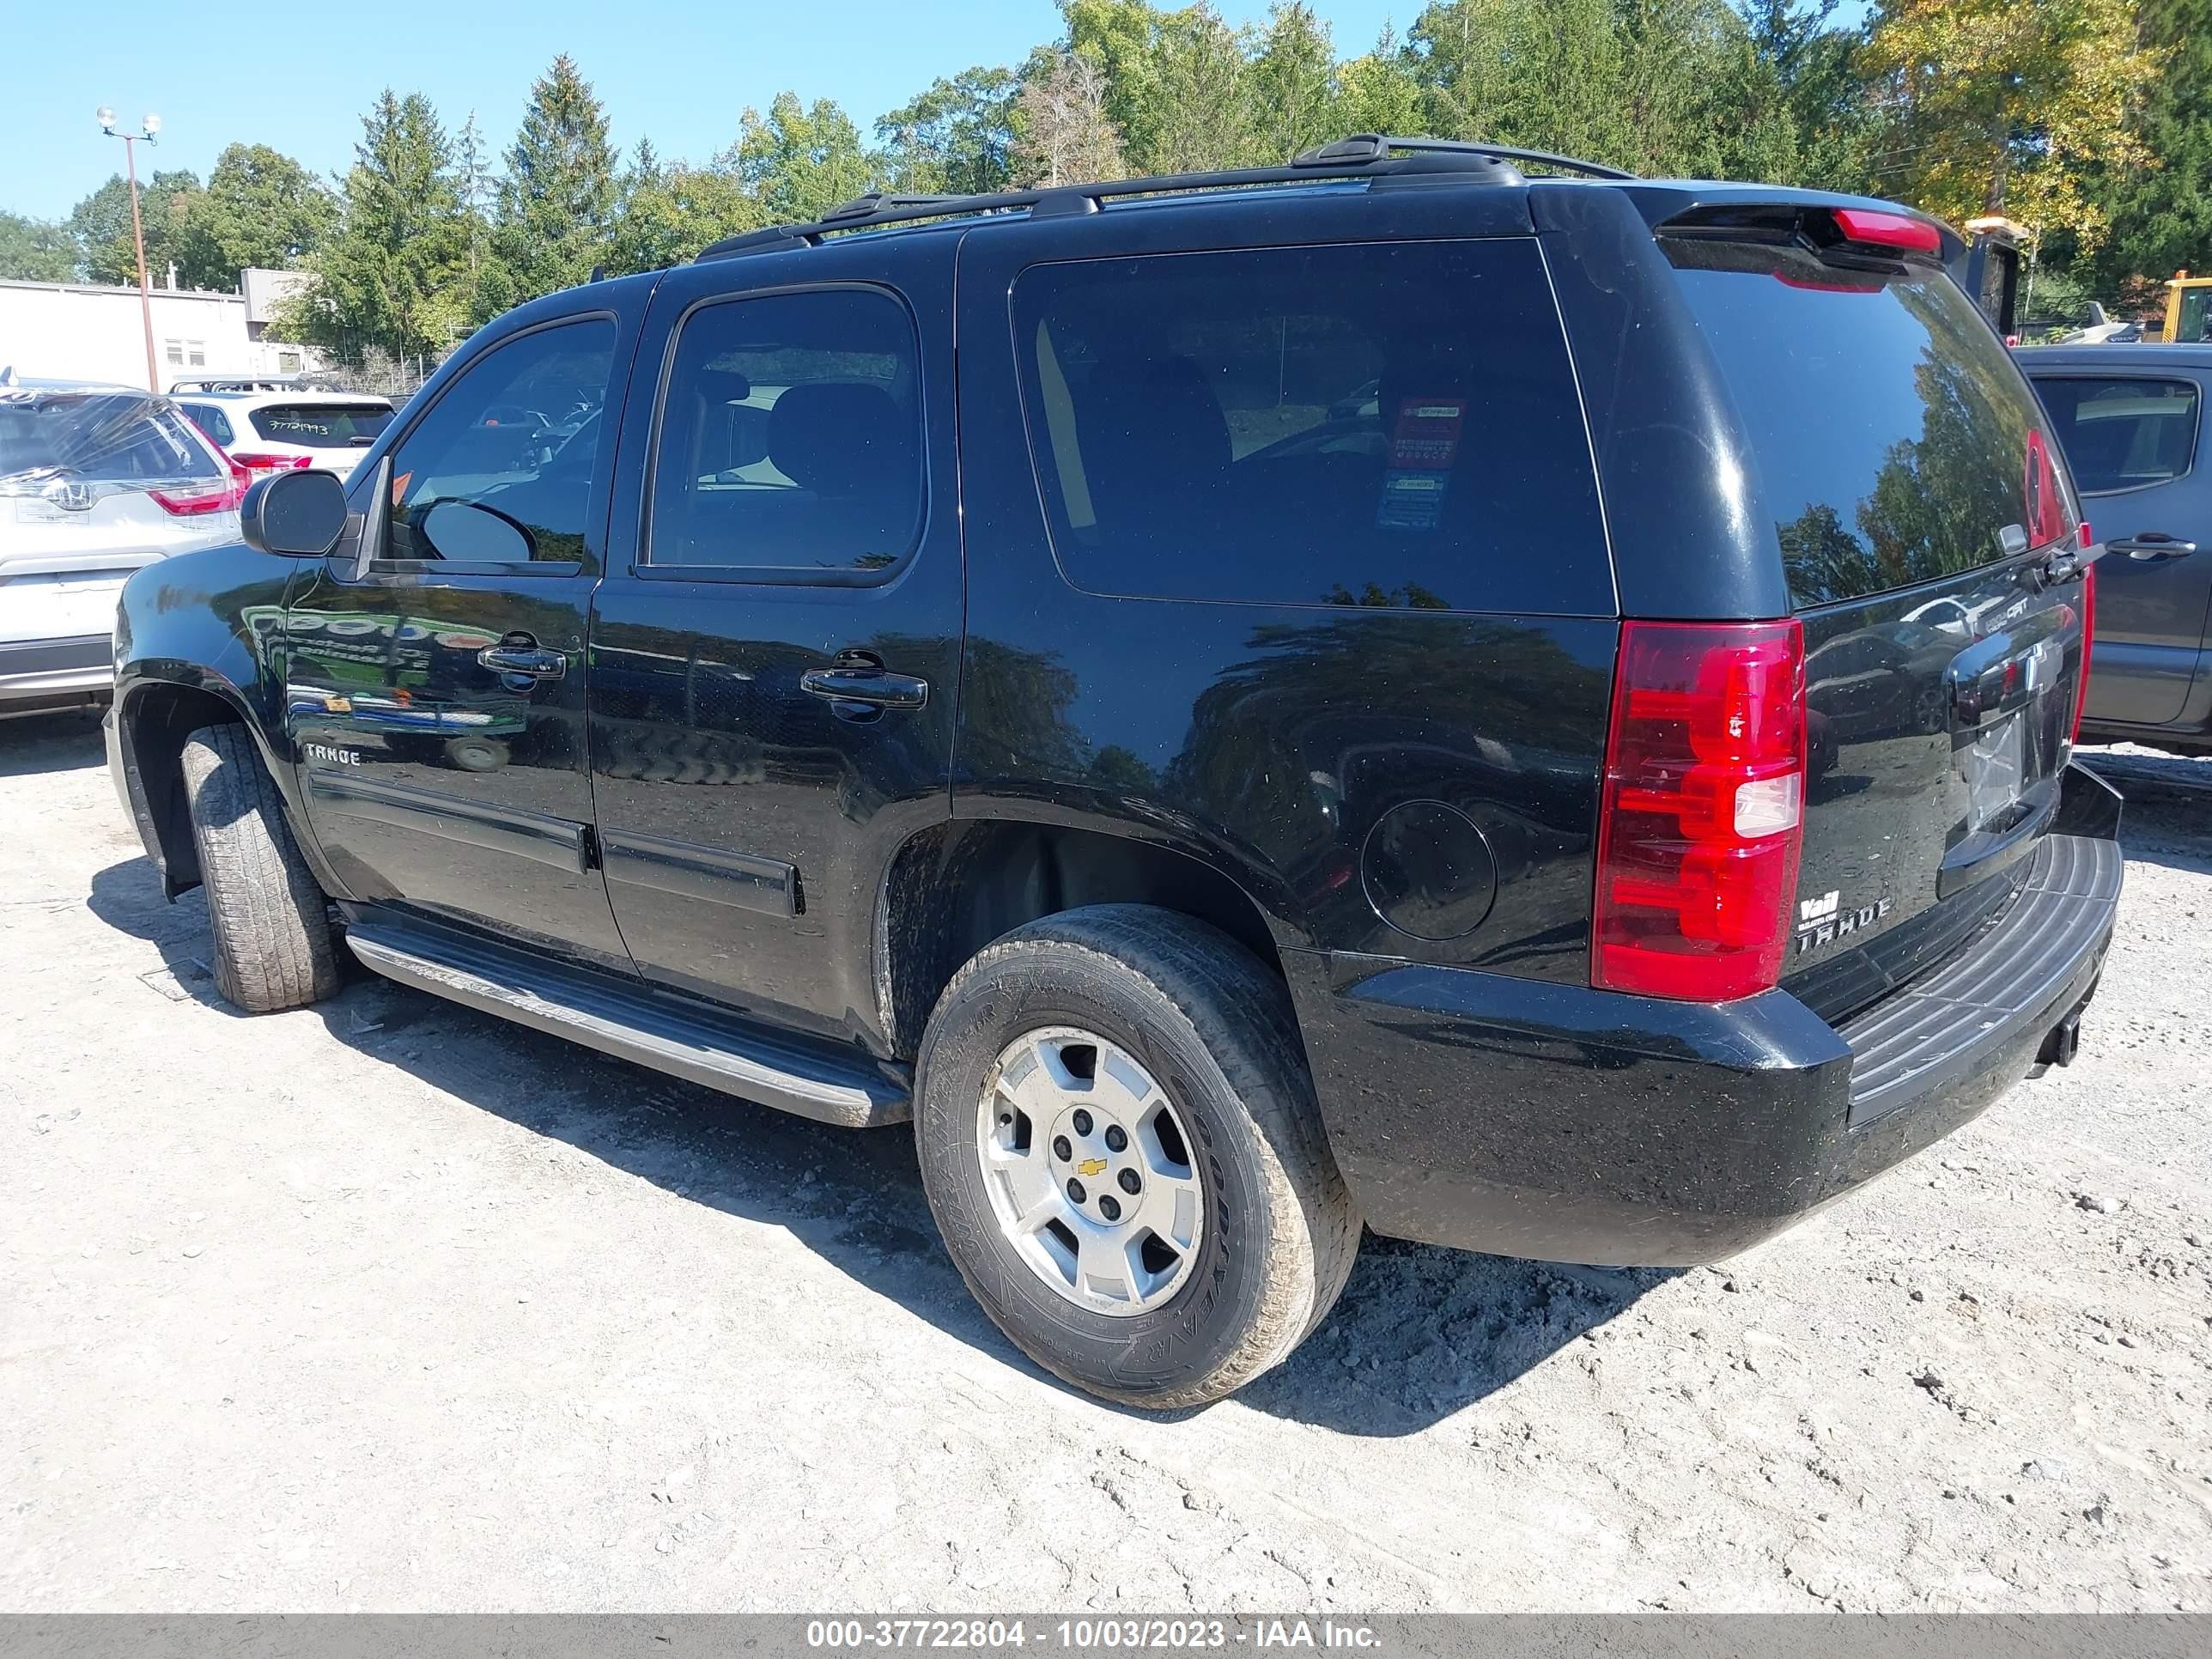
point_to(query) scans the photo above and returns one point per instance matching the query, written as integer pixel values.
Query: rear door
(776, 648)
(2131, 440)
(1928, 538)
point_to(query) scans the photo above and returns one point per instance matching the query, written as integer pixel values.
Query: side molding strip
(556, 841)
(768, 886)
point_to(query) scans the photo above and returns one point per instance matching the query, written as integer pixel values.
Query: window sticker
(1424, 444)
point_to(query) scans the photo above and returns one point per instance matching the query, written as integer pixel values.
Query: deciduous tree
(957, 136)
(260, 208)
(35, 250)
(101, 225)
(800, 160)
(2005, 105)
(1066, 136)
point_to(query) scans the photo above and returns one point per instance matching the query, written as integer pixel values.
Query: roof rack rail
(1363, 156)
(1371, 146)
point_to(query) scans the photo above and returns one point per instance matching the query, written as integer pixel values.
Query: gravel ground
(387, 1304)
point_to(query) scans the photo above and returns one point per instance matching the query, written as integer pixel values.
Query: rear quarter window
(99, 438)
(1895, 439)
(1379, 424)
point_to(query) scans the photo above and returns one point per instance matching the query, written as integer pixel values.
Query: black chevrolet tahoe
(1431, 687)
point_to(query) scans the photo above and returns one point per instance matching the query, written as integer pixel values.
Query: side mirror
(298, 514)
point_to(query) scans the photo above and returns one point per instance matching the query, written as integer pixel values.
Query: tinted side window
(2123, 434)
(1377, 424)
(499, 470)
(210, 419)
(790, 435)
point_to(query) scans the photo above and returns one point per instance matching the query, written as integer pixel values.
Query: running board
(669, 1033)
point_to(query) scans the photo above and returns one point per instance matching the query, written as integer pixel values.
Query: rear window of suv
(321, 426)
(97, 438)
(1895, 440)
(1384, 424)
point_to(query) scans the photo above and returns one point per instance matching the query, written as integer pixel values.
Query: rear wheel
(1119, 1140)
(272, 924)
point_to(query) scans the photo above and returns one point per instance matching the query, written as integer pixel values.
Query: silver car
(94, 482)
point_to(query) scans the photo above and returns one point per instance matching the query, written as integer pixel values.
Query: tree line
(2090, 121)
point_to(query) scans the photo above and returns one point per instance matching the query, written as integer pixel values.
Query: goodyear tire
(272, 932)
(1119, 1068)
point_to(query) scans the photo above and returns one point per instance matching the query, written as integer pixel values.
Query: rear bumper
(1555, 1122)
(40, 674)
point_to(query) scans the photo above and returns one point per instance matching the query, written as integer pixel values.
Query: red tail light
(214, 496)
(255, 460)
(2088, 637)
(1701, 821)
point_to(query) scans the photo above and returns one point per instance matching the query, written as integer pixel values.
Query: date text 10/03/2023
(1086, 1634)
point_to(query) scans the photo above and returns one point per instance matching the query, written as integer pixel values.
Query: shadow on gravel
(2168, 816)
(127, 896)
(36, 744)
(1418, 1334)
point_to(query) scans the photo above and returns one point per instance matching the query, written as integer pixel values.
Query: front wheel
(1119, 1142)
(272, 928)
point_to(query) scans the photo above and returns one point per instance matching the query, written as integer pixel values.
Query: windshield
(321, 426)
(1895, 439)
(95, 437)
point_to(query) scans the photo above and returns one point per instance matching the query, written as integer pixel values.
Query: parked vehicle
(95, 481)
(2131, 421)
(2188, 310)
(2091, 325)
(277, 431)
(1306, 724)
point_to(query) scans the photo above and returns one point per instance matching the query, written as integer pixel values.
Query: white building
(86, 332)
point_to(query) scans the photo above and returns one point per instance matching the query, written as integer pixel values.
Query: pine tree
(1294, 84)
(479, 191)
(556, 204)
(395, 275)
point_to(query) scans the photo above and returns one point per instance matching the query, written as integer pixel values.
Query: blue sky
(298, 76)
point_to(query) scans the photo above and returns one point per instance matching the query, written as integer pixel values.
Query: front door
(775, 657)
(2130, 438)
(435, 702)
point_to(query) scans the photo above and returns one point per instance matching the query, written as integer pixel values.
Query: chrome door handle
(872, 686)
(523, 658)
(2150, 545)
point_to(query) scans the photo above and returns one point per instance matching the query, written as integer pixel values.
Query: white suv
(94, 482)
(269, 432)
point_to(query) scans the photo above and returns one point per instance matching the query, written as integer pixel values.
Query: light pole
(149, 130)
